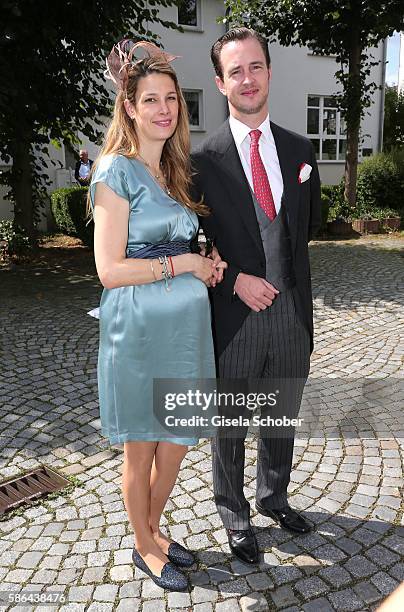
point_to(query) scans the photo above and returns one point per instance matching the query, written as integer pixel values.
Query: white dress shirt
(268, 153)
(84, 170)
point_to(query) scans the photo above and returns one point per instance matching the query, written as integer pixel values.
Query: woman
(154, 311)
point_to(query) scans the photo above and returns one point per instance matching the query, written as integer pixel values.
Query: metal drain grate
(30, 487)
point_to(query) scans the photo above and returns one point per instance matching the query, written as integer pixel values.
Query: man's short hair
(240, 33)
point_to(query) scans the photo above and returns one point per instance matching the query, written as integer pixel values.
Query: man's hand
(256, 292)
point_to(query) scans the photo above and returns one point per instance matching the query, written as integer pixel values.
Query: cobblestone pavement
(347, 469)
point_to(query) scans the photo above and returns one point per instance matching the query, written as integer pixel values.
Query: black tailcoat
(219, 177)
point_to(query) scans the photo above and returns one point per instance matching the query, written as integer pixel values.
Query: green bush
(69, 210)
(330, 192)
(335, 193)
(325, 207)
(374, 213)
(338, 208)
(13, 240)
(381, 182)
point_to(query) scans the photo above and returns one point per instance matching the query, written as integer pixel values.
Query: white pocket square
(304, 172)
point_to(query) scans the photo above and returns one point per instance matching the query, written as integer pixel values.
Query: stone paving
(346, 476)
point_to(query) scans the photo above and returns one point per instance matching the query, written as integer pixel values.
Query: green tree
(52, 57)
(346, 29)
(393, 130)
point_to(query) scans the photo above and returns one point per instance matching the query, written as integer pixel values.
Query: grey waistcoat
(275, 237)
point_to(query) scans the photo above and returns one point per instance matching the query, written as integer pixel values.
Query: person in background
(83, 169)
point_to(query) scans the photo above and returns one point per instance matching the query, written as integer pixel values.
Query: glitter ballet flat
(180, 555)
(171, 577)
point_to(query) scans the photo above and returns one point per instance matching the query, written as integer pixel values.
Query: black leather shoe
(180, 555)
(243, 545)
(171, 577)
(287, 518)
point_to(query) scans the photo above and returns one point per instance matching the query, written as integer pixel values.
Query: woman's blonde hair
(121, 137)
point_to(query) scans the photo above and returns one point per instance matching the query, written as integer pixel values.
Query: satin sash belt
(168, 249)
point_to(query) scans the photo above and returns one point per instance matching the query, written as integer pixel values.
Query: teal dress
(147, 332)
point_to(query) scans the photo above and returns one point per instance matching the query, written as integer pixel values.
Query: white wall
(297, 73)
(194, 68)
(401, 66)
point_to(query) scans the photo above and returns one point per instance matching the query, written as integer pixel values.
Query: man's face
(84, 156)
(246, 78)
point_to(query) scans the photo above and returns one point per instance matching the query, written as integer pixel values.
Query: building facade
(401, 64)
(302, 93)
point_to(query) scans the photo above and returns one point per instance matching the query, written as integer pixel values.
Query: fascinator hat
(126, 54)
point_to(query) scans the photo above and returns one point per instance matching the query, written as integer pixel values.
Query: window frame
(193, 28)
(321, 136)
(201, 107)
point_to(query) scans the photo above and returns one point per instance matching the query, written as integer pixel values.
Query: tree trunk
(353, 119)
(21, 183)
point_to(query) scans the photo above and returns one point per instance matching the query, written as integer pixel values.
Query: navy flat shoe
(171, 577)
(180, 555)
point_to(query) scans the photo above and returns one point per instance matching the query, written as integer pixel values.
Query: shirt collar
(241, 131)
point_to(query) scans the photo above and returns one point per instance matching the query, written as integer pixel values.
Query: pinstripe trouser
(270, 343)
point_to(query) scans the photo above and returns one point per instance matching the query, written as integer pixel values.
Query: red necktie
(262, 188)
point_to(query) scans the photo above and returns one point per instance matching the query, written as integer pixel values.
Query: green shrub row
(379, 194)
(69, 206)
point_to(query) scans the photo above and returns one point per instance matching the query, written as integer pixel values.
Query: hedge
(69, 209)
(381, 182)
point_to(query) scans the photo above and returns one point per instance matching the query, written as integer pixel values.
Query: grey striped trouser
(270, 343)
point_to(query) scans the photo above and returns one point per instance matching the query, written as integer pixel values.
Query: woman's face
(156, 107)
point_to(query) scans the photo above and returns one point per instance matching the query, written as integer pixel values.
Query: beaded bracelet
(166, 272)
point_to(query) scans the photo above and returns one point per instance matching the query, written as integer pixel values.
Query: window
(188, 13)
(193, 98)
(326, 128)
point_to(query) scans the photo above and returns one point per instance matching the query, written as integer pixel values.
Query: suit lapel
(288, 163)
(227, 156)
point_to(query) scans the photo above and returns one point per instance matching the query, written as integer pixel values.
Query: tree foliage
(393, 131)
(344, 28)
(52, 57)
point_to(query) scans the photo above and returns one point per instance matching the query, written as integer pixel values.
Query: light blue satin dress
(147, 332)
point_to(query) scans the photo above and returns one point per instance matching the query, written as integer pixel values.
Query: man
(83, 168)
(255, 176)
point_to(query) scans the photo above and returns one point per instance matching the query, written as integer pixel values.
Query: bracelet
(152, 269)
(166, 271)
(172, 265)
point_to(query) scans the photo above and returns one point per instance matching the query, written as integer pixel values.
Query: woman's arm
(111, 216)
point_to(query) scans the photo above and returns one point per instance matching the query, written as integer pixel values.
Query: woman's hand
(202, 268)
(208, 269)
(218, 265)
